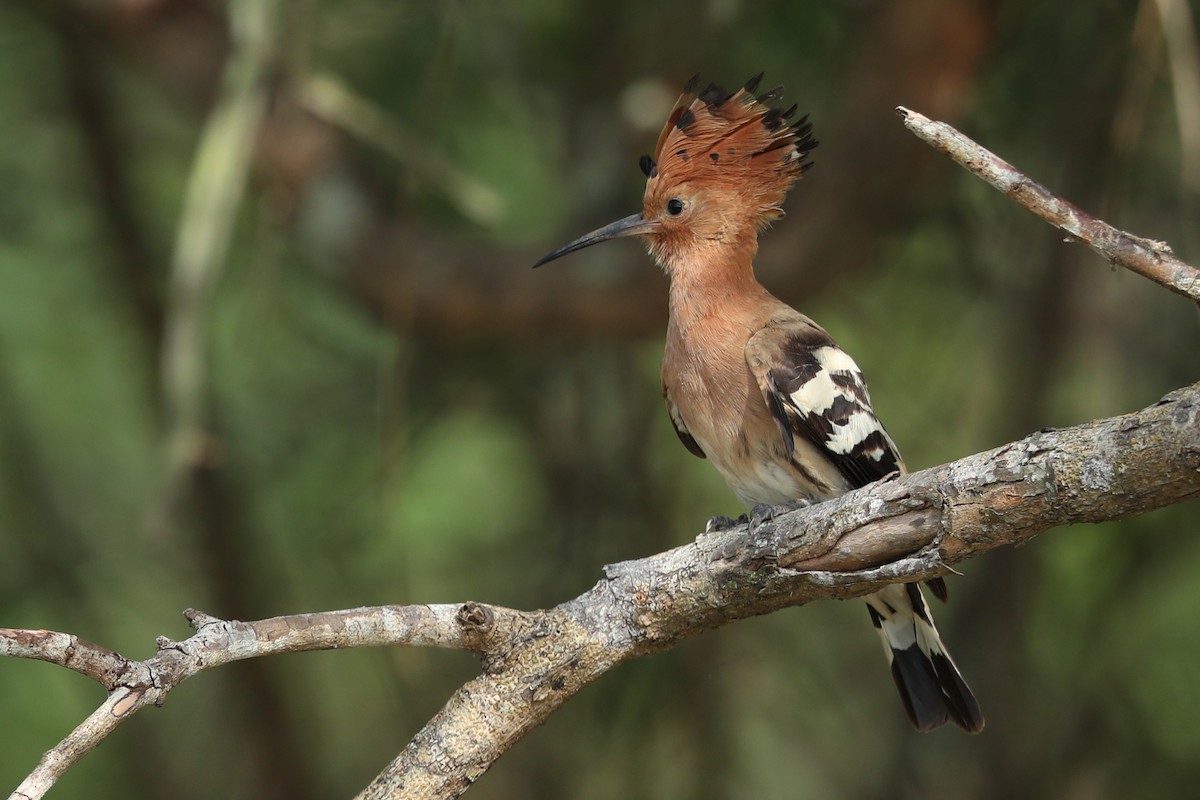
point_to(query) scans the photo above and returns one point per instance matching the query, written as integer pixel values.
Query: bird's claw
(764, 512)
(720, 523)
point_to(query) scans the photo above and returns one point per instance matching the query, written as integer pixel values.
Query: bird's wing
(680, 428)
(815, 390)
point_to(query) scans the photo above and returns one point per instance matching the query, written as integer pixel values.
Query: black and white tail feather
(931, 687)
(817, 394)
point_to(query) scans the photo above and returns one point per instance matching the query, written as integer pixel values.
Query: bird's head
(723, 164)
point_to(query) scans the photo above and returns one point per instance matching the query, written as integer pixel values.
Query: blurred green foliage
(359, 458)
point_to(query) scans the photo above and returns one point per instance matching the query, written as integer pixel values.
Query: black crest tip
(714, 95)
(692, 85)
(773, 119)
(685, 119)
(752, 84)
(649, 168)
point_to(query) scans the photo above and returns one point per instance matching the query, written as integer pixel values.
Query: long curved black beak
(633, 225)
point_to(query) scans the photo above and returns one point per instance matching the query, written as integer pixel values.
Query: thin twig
(81, 741)
(1150, 259)
(87, 658)
(133, 685)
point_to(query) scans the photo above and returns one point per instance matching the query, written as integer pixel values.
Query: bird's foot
(720, 523)
(764, 512)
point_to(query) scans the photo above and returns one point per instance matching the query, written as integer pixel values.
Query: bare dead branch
(909, 528)
(93, 730)
(96, 662)
(133, 685)
(912, 528)
(1150, 259)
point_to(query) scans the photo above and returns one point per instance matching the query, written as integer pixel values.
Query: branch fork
(908, 528)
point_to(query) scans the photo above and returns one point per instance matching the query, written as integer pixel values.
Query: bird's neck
(717, 284)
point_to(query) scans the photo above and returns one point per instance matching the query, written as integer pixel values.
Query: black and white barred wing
(815, 390)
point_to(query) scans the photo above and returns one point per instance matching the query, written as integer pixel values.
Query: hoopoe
(754, 386)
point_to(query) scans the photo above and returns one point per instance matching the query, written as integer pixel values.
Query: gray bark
(910, 528)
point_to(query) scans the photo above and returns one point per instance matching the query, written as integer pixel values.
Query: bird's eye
(674, 206)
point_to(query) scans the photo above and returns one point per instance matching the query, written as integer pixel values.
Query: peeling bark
(902, 529)
(909, 528)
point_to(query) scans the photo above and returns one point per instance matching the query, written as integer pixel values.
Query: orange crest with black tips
(733, 142)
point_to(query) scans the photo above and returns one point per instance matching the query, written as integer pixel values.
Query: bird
(758, 389)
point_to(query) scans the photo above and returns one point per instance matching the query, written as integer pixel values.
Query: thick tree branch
(1150, 259)
(908, 528)
(911, 528)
